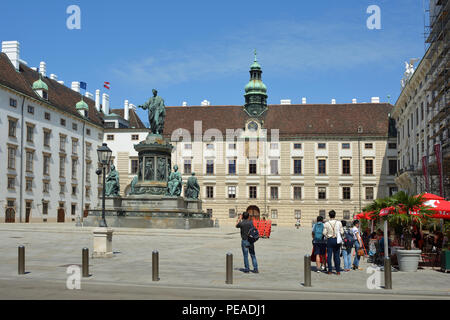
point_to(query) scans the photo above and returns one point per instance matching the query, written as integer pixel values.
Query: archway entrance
(10, 215)
(61, 215)
(253, 212)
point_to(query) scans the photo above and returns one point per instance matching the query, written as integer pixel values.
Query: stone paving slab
(193, 258)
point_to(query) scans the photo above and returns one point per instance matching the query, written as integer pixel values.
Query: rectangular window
(135, 137)
(297, 166)
(11, 158)
(346, 146)
(46, 165)
(252, 166)
(62, 122)
(209, 166)
(231, 213)
(11, 182)
(29, 161)
(74, 209)
(369, 193)
(110, 137)
(392, 145)
(29, 184)
(88, 172)
(47, 116)
(30, 131)
(231, 166)
(274, 167)
(209, 192)
(322, 213)
(274, 146)
(322, 145)
(62, 187)
(298, 214)
(346, 215)
(74, 168)
(232, 192)
(31, 109)
(209, 146)
(62, 143)
(12, 102)
(74, 126)
(134, 166)
(369, 166)
(188, 146)
(392, 167)
(232, 146)
(274, 193)
(297, 193)
(297, 146)
(345, 166)
(74, 190)
(346, 193)
(368, 145)
(12, 128)
(88, 192)
(187, 166)
(74, 146)
(322, 166)
(88, 132)
(252, 192)
(62, 167)
(47, 138)
(209, 212)
(392, 191)
(46, 187)
(322, 193)
(274, 213)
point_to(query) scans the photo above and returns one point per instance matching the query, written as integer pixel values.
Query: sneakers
(255, 271)
(318, 271)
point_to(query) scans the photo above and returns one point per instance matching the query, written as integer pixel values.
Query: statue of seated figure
(192, 187)
(174, 185)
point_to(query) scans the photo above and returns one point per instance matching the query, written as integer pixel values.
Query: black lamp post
(104, 156)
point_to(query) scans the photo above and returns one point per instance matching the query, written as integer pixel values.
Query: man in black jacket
(245, 224)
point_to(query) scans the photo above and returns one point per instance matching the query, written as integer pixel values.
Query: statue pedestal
(103, 243)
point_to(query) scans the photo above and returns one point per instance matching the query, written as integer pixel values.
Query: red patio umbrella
(440, 207)
(430, 196)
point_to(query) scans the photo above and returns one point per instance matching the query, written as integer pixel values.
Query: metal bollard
(186, 224)
(307, 267)
(21, 260)
(85, 262)
(229, 268)
(387, 273)
(155, 265)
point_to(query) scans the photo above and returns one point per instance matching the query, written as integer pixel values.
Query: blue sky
(196, 50)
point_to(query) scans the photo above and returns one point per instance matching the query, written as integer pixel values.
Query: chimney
(132, 107)
(89, 95)
(43, 68)
(53, 77)
(353, 100)
(61, 82)
(76, 86)
(105, 103)
(12, 50)
(34, 69)
(333, 101)
(205, 103)
(184, 104)
(375, 100)
(303, 100)
(97, 100)
(126, 113)
(286, 101)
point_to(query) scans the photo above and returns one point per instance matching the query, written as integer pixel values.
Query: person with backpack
(249, 235)
(358, 245)
(319, 244)
(333, 232)
(347, 246)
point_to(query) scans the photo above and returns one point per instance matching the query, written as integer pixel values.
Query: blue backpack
(348, 239)
(318, 231)
(253, 235)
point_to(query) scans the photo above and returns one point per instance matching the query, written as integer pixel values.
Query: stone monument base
(150, 211)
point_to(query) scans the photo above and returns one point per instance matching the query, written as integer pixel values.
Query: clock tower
(255, 92)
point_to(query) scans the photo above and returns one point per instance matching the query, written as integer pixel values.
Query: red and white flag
(106, 84)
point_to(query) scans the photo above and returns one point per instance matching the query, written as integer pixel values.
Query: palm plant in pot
(408, 211)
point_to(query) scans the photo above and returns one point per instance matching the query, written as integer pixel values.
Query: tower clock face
(252, 126)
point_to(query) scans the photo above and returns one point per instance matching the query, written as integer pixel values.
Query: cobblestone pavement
(189, 258)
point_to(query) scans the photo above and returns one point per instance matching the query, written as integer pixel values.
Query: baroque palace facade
(283, 162)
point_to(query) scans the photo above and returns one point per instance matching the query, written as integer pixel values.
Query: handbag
(338, 236)
(360, 252)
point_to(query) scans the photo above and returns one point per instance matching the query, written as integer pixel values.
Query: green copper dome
(255, 86)
(81, 105)
(255, 91)
(40, 85)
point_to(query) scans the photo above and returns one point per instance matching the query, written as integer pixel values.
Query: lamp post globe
(104, 157)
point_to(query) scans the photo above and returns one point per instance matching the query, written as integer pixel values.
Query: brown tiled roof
(292, 120)
(135, 121)
(59, 95)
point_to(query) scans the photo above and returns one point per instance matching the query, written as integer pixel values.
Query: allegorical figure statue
(112, 187)
(192, 187)
(149, 170)
(156, 113)
(174, 184)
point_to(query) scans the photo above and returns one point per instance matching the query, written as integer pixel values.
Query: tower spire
(255, 90)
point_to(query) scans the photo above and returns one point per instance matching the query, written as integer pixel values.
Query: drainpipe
(21, 163)
(359, 171)
(83, 170)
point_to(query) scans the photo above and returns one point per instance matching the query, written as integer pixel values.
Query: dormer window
(41, 88)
